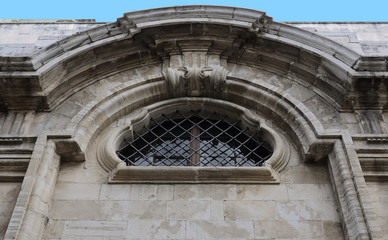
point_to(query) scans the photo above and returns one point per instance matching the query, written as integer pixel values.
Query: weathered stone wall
(8, 195)
(379, 191)
(24, 38)
(367, 38)
(324, 102)
(301, 207)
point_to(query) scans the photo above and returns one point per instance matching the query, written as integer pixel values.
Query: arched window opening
(194, 139)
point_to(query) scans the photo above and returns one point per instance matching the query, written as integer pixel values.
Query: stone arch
(194, 61)
(235, 35)
(313, 140)
(266, 100)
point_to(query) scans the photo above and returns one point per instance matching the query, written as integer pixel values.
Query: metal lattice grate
(194, 140)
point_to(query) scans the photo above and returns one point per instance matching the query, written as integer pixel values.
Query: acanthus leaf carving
(194, 80)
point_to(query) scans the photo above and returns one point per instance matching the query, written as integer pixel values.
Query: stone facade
(71, 90)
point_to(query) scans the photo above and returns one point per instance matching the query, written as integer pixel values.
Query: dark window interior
(194, 139)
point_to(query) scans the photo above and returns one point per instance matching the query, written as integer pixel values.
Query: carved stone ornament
(10, 141)
(195, 80)
(261, 24)
(377, 139)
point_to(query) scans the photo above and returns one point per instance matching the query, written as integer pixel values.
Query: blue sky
(280, 10)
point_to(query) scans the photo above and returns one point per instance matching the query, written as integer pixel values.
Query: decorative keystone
(194, 80)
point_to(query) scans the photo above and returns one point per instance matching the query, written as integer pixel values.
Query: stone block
(94, 230)
(250, 210)
(217, 210)
(380, 189)
(205, 192)
(287, 176)
(165, 192)
(9, 191)
(128, 192)
(76, 191)
(381, 208)
(201, 229)
(383, 224)
(38, 205)
(98, 33)
(142, 209)
(6, 208)
(310, 174)
(186, 210)
(300, 92)
(57, 120)
(289, 230)
(308, 210)
(262, 192)
(156, 229)
(310, 192)
(75, 41)
(53, 229)
(349, 118)
(333, 230)
(213, 61)
(354, 128)
(76, 209)
(3, 225)
(87, 172)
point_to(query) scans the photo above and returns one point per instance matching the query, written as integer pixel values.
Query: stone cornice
(237, 35)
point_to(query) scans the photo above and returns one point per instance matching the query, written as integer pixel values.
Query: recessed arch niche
(112, 137)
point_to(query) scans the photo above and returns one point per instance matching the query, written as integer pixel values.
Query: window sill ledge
(174, 175)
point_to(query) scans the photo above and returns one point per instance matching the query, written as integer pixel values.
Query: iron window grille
(194, 139)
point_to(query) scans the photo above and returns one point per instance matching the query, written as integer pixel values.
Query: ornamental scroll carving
(195, 80)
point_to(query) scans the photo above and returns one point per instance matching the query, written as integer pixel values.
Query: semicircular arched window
(194, 139)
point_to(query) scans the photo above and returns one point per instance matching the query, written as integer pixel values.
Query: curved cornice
(239, 35)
